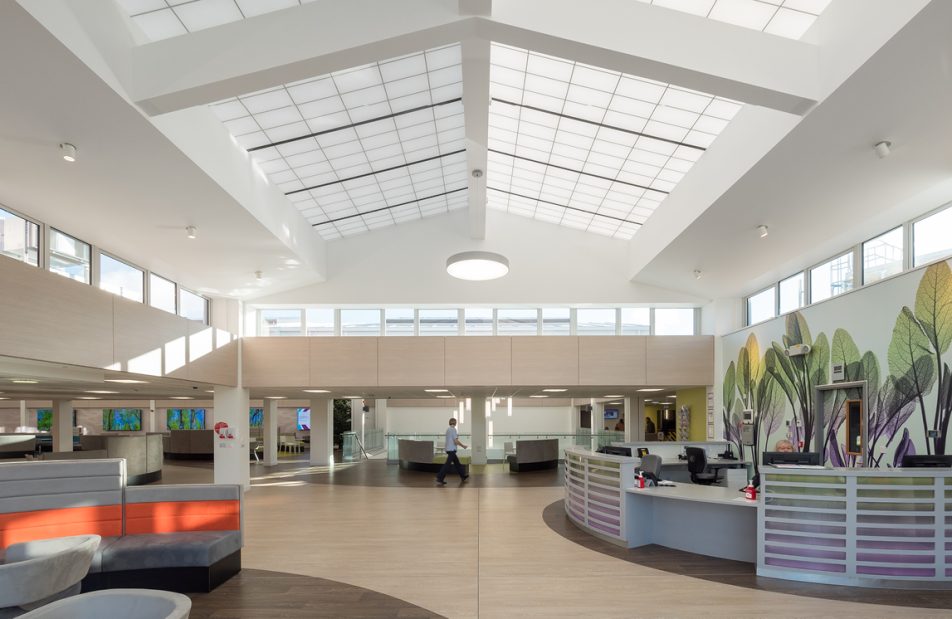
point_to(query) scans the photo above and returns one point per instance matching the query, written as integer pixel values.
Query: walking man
(452, 442)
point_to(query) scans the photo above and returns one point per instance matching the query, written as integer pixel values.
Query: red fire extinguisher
(641, 480)
(751, 492)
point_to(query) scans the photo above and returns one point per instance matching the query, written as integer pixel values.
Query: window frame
(49, 251)
(42, 239)
(776, 303)
(208, 304)
(912, 237)
(144, 272)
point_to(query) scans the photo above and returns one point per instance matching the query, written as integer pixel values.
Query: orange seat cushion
(16, 527)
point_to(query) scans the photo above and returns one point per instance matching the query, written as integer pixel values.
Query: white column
(62, 425)
(231, 455)
(269, 432)
(598, 422)
(322, 431)
(381, 416)
(151, 424)
(22, 413)
(478, 425)
(633, 429)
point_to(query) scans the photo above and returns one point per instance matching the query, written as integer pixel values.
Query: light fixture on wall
(191, 232)
(68, 151)
(763, 231)
(477, 266)
(882, 148)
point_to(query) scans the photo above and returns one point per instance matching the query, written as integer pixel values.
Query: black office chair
(697, 462)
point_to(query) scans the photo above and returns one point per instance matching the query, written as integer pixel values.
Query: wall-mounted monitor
(255, 417)
(303, 419)
(611, 413)
(122, 419)
(927, 461)
(807, 458)
(44, 419)
(185, 418)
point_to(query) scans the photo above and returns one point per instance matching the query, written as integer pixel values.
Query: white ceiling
(791, 158)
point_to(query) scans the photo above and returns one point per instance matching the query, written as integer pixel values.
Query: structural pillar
(22, 415)
(478, 425)
(151, 424)
(322, 431)
(598, 422)
(231, 443)
(62, 425)
(269, 432)
(633, 431)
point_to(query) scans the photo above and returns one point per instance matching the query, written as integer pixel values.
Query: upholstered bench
(535, 455)
(419, 456)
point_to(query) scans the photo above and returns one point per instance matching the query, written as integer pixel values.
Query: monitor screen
(642, 452)
(811, 458)
(255, 417)
(611, 413)
(615, 451)
(303, 419)
(922, 461)
(185, 418)
(118, 419)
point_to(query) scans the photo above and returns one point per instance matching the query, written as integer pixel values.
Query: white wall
(524, 420)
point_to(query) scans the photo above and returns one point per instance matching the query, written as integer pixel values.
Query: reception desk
(860, 527)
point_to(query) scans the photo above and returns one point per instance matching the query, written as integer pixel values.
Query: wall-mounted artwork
(122, 419)
(185, 418)
(255, 417)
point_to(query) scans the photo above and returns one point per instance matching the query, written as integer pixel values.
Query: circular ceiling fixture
(477, 265)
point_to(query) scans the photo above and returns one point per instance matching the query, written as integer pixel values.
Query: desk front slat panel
(857, 527)
(594, 492)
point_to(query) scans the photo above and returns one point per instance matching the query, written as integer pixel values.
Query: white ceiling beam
(475, 53)
(664, 45)
(286, 46)
(483, 8)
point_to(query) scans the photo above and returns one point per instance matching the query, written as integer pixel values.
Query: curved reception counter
(860, 527)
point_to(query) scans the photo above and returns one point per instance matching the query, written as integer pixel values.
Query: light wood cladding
(612, 360)
(410, 361)
(680, 360)
(219, 367)
(51, 318)
(145, 337)
(545, 360)
(343, 361)
(478, 361)
(275, 361)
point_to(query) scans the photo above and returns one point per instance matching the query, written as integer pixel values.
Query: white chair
(127, 603)
(38, 572)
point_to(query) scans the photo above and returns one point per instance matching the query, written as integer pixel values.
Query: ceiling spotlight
(174, 397)
(882, 149)
(315, 391)
(125, 381)
(191, 231)
(24, 381)
(697, 274)
(477, 173)
(477, 265)
(762, 229)
(69, 151)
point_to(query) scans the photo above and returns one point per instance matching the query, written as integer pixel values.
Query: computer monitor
(615, 451)
(642, 452)
(811, 458)
(922, 461)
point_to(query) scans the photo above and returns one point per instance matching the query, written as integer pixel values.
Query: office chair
(697, 462)
(651, 466)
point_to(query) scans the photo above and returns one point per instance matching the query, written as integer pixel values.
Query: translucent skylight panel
(595, 131)
(786, 18)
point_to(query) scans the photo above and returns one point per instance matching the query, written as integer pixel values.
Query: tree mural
(750, 387)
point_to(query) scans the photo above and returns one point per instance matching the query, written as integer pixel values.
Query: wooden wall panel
(611, 360)
(343, 361)
(478, 361)
(545, 360)
(680, 360)
(410, 361)
(275, 361)
(150, 341)
(48, 317)
(219, 367)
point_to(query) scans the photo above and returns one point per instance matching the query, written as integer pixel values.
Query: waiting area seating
(175, 537)
(133, 603)
(17, 445)
(534, 455)
(142, 453)
(189, 444)
(420, 456)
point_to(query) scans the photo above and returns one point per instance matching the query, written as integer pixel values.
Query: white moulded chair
(41, 571)
(125, 603)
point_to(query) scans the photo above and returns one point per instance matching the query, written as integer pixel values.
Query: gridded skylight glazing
(163, 19)
(786, 18)
(589, 148)
(363, 148)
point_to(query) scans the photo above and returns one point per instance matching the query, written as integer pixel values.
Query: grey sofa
(419, 456)
(190, 444)
(535, 455)
(17, 445)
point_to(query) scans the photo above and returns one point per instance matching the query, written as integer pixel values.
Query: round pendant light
(477, 265)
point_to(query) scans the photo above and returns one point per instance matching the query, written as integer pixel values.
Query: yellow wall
(696, 400)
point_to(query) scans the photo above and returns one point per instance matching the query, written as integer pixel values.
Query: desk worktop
(695, 493)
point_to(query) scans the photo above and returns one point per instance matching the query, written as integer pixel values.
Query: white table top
(711, 461)
(696, 493)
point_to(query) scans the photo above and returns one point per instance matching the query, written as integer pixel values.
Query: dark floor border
(737, 573)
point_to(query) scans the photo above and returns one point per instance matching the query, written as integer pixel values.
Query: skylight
(785, 18)
(363, 148)
(588, 148)
(163, 19)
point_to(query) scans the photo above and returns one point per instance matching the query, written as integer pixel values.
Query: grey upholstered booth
(126, 603)
(17, 445)
(190, 444)
(142, 453)
(534, 455)
(419, 456)
(40, 571)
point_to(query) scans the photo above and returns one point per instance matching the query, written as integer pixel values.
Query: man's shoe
(465, 477)
(440, 482)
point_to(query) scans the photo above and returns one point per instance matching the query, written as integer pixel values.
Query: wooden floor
(373, 541)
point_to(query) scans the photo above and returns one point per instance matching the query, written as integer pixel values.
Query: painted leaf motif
(743, 373)
(934, 305)
(729, 386)
(843, 350)
(905, 447)
(756, 363)
(797, 330)
(907, 350)
(818, 360)
(869, 371)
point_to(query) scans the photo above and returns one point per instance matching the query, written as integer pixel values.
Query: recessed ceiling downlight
(477, 265)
